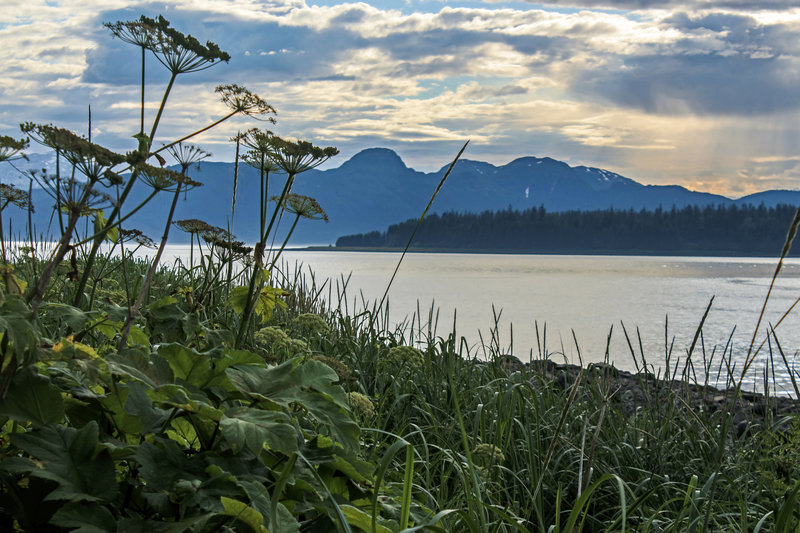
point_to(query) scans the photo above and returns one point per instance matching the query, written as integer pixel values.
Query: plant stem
(126, 329)
(198, 132)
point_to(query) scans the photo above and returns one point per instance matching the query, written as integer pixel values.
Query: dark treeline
(723, 230)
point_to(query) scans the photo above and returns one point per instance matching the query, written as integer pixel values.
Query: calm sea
(577, 301)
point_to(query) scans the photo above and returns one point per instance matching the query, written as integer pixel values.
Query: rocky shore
(631, 392)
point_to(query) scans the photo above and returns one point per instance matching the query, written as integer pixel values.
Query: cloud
(723, 64)
(669, 92)
(748, 5)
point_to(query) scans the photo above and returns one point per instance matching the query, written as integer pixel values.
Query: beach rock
(630, 392)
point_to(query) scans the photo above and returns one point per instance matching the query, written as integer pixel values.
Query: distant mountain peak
(384, 158)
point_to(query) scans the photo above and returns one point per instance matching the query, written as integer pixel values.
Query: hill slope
(375, 188)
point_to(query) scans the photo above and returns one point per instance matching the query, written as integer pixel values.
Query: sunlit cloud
(697, 93)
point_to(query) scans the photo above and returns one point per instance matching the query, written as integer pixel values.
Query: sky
(700, 93)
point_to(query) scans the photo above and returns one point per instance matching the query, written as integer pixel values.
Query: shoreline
(503, 251)
(632, 392)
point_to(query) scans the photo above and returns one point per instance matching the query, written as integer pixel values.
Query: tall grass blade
(419, 222)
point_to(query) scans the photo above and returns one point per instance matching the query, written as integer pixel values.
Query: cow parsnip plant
(144, 410)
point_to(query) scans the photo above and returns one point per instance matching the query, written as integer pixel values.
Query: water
(580, 298)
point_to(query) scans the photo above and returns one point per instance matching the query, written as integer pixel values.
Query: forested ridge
(745, 230)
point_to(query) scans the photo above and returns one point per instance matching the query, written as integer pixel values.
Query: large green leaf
(85, 517)
(308, 383)
(31, 398)
(70, 457)
(76, 319)
(285, 522)
(139, 404)
(244, 513)
(100, 222)
(255, 428)
(203, 370)
(265, 300)
(151, 369)
(126, 423)
(162, 466)
(21, 331)
(166, 319)
(188, 365)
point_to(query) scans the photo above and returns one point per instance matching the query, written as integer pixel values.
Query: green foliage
(309, 325)
(711, 230)
(401, 359)
(278, 345)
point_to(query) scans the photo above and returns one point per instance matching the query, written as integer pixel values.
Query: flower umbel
(138, 32)
(10, 148)
(164, 179)
(187, 154)
(182, 53)
(294, 157)
(196, 226)
(242, 101)
(304, 207)
(136, 236)
(12, 195)
(89, 158)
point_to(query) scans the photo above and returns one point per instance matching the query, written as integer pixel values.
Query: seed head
(294, 157)
(15, 196)
(182, 53)
(164, 179)
(362, 406)
(196, 226)
(242, 101)
(10, 148)
(304, 206)
(89, 158)
(136, 32)
(137, 236)
(187, 154)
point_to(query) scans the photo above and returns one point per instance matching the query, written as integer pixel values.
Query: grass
(572, 459)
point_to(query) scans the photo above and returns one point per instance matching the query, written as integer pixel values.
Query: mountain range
(375, 188)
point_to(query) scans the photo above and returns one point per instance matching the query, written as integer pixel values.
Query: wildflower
(10, 148)
(196, 226)
(12, 195)
(187, 154)
(181, 53)
(279, 344)
(242, 101)
(257, 157)
(164, 179)
(362, 406)
(137, 236)
(225, 242)
(89, 158)
(305, 207)
(486, 454)
(343, 371)
(401, 357)
(137, 32)
(89, 200)
(310, 325)
(293, 157)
